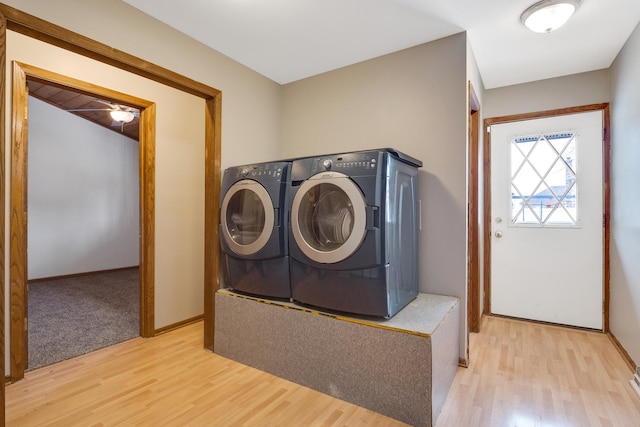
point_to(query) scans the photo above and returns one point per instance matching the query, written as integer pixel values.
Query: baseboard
(623, 352)
(177, 325)
(542, 322)
(87, 273)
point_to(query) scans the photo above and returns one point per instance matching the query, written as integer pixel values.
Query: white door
(547, 219)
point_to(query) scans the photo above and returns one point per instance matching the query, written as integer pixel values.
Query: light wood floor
(528, 374)
(521, 374)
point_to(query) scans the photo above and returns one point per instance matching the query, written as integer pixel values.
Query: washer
(354, 231)
(253, 229)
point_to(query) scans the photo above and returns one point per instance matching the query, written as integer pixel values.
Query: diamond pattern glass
(543, 179)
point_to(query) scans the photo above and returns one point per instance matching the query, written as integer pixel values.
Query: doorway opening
(24, 75)
(83, 249)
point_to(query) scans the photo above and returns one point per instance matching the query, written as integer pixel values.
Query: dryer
(354, 231)
(253, 229)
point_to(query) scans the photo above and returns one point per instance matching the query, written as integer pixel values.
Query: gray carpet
(73, 316)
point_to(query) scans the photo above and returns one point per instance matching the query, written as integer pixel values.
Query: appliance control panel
(262, 171)
(350, 163)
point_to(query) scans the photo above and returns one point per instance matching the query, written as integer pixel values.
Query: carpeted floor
(73, 316)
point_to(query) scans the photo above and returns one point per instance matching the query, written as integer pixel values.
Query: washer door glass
(247, 217)
(328, 217)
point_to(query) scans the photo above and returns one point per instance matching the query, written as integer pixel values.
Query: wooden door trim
(22, 73)
(3, 115)
(23, 23)
(473, 211)
(39, 29)
(606, 197)
(17, 219)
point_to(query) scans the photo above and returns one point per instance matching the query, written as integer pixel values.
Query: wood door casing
(19, 209)
(547, 210)
(473, 212)
(23, 23)
(606, 194)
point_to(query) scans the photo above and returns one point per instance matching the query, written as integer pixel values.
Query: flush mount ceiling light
(122, 116)
(548, 15)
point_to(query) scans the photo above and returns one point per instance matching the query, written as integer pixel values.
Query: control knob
(327, 164)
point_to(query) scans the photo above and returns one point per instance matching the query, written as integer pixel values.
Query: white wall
(83, 195)
(625, 197)
(415, 101)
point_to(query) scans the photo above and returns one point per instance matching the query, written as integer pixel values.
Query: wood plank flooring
(521, 374)
(529, 374)
(170, 380)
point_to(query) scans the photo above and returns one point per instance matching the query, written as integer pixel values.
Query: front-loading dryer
(354, 231)
(253, 229)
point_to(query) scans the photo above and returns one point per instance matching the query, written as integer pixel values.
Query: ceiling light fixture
(122, 116)
(548, 15)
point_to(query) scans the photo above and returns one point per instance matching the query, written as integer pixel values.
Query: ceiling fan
(120, 114)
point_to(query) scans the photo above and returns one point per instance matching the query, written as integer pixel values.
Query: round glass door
(328, 217)
(247, 217)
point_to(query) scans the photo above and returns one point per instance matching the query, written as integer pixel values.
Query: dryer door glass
(329, 218)
(247, 216)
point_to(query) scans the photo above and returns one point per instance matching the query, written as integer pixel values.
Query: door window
(543, 180)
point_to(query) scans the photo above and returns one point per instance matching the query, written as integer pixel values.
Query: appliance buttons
(327, 164)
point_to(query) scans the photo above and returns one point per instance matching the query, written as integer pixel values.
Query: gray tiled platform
(401, 367)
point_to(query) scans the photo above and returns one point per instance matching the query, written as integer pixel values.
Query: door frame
(31, 26)
(606, 194)
(473, 218)
(18, 277)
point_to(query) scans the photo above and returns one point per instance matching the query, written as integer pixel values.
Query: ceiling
(93, 109)
(288, 40)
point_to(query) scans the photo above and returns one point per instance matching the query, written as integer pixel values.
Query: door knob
(498, 234)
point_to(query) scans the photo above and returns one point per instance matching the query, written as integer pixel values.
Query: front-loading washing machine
(253, 229)
(353, 240)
